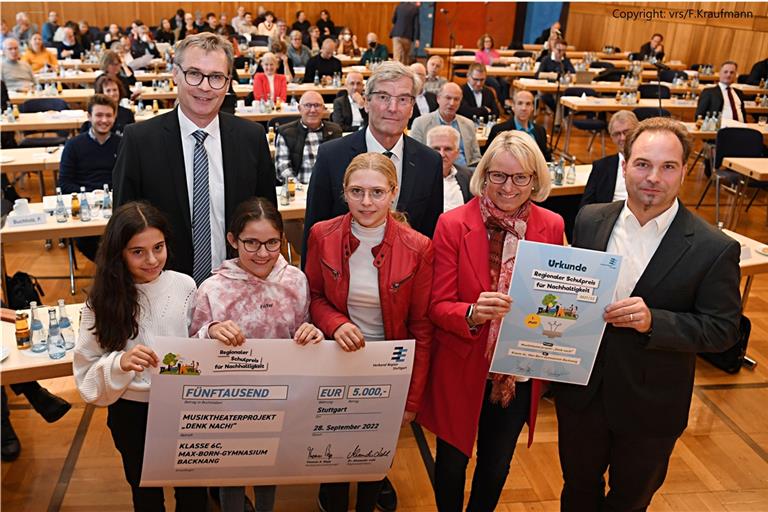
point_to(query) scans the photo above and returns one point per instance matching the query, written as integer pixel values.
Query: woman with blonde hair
(475, 246)
(268, 84)
(369, 279)
(38, 57)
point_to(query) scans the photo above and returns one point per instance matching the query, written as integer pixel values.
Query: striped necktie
(201, 221)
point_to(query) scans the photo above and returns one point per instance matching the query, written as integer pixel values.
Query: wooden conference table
(601, 87)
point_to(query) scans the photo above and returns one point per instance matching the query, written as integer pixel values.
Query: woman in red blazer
(269, 85)
(474, 248)
(370, 277)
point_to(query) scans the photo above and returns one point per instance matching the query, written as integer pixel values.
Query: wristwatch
(468, 315)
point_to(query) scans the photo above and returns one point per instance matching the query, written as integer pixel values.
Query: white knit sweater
(166, 306)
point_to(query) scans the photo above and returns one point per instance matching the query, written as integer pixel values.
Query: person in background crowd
(38, 57)
(434, 81)
(261, 15)
(247, 28)
(216, 159)
(626, 420)
(5, 32)
(297, 142)
(758, 72)
(239, 18)
(405, 30)
(445, 140)
(606, 180)
(165, 32)
(112, 65)
(269, 84)
(326, 26)
(284, 65)
(368, 301)
(448, 100)
(297, 52)
(424, 102)
(313, 40)
(86, 34)
(16, 74)
(133, 300)
(522, 119)
(475, 246)
(547, 33)
(258, 278)
(488, 55)
(281, 34)
(189, 27)
(375, 51)
(301, 24)
(653, 48)
(324, 65)
(144, 44)
(267, 27)
(50, 27)
(349, 109)
(555, 62)
(69, 48)
(348, 44)
(226, 29)
(23, 29)
(113, 34)
(478, 101)
(88, 158)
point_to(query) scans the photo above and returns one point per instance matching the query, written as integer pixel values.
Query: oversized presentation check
(555, 324)
(273, 412)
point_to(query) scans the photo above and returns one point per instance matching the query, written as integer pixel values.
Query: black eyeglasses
(500, 178)
(253, 245)
(194, 78)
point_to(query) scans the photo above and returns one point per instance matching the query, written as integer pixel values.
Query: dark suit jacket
(150, 166)
(469, 108)
(758, 71)
(342, 114)
(691, 286)
(421, 190)
(601, 182)
(463, 175)
(711, 100)
(405, 21)
(431, 101)
(539, 133)
(646, 50)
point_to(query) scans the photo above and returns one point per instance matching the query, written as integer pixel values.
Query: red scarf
(505, 230)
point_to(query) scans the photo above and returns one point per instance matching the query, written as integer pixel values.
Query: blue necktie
(201, 221)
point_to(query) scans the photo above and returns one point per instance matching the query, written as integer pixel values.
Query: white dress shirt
(373, 146)
(271, 81)
(212, 145)
(452, 196)
(422, 103)
(478, 97)
(357, 117)
(636, 245)
(727, 104)
(620, 190)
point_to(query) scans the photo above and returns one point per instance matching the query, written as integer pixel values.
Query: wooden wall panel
(360, 17)
(592, 25)
(468, 20)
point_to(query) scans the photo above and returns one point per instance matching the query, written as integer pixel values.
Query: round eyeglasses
(500, 178)
(253, 245)
(194, 78)
(358, 193)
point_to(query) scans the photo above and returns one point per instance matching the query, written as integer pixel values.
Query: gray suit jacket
(424, 123)
(691, 286)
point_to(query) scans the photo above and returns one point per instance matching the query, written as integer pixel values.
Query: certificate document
(554, 328)
(273, 412)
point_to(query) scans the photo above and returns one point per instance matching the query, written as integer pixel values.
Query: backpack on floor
(23, 289)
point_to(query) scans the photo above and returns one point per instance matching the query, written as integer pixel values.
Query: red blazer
(261, 87)
(454, 394)
(404, 260)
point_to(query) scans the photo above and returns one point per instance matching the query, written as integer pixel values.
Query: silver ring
(631, 317)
